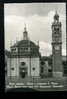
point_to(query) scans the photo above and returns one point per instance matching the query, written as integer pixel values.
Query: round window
(33, 68)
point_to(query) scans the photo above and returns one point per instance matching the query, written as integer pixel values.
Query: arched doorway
(23, 70)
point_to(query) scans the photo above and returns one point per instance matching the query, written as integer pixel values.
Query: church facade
(24, 58)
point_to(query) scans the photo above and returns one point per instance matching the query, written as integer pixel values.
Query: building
(64, 65)
(46, 70)
(46, 66)
(57, 47)
(24, 58)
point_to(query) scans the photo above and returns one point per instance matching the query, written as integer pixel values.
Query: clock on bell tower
(57, 47)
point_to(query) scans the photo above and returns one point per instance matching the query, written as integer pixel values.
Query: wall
(35, 64)
(30, 62)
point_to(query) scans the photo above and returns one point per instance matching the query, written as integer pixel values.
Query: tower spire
(56, 16)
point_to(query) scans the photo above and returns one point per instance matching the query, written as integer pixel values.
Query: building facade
(24, 59)
(46, 66)
(57, 47)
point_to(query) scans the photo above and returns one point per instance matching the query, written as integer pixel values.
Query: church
(24, 58)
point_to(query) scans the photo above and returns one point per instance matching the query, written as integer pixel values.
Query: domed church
(24, 58)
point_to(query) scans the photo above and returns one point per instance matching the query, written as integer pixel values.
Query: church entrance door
(23, 70)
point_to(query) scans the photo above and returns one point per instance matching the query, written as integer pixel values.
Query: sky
(38, 18)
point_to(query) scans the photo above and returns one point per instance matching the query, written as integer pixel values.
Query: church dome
(26, 48)
(25, 43)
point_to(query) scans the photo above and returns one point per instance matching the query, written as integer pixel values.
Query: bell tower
(57, 47)
(25, 34)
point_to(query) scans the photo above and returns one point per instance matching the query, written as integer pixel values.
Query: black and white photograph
(35, 47)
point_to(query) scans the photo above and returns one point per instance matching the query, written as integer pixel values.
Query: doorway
(23, 70)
